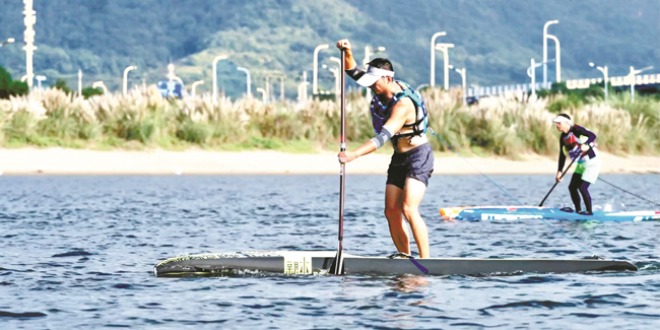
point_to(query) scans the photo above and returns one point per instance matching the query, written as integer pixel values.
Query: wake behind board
(319, 262)
(508, 213)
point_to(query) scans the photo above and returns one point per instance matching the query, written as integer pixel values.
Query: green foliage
(10, 87)
(61, 85)
(194, 132)
(88, 92)
(20, 128)
(18, 88)
(563, 99)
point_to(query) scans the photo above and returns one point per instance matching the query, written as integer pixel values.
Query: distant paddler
(578, 143)
(398, 115)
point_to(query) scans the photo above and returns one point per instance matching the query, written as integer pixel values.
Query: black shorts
(416, 163)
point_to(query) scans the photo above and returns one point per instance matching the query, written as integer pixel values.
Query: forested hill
(494, 39)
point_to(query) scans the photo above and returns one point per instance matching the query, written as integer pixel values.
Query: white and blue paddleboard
(510, 213)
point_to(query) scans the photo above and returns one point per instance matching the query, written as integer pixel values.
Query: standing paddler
(398, 115)
(578, 143)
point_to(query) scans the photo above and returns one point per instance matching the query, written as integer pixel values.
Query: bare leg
(413, 193)
(394, 215)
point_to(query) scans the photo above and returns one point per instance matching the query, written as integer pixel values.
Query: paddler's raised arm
(349, 61)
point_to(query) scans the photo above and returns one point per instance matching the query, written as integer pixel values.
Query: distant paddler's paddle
(561, 177)
(337, 267)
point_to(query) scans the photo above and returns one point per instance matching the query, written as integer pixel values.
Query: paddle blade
(337, 266)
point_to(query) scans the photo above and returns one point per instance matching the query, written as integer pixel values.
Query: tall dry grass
(500, 126)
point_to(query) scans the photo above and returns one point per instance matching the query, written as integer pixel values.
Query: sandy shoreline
(58, 161)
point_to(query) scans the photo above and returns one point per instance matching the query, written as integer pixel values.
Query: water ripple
(90, 253)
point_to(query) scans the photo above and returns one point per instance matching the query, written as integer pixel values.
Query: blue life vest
(381, 113)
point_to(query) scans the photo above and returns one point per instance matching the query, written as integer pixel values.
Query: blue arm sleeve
(382, 137)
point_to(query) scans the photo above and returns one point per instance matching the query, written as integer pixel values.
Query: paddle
(560, 177)
(337, 267)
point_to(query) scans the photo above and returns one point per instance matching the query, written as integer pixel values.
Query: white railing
(500, 90)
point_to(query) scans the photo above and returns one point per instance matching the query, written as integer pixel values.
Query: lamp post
(546, 36)
(128, 68)
(444, 48)
(603, 70)
(29, 20)
(80, 76)
(631, 76)
(433, 48)
(282, 86)
(263, 94)
(557, 58)
(302, 88)
(215, 75)
(100, 84)
(315, 75)
(463, 74)
(39, 79)
(248, 78)
(7, 41)
(335, 74)
(368, 51)
(282, 76)
(193, 87)
(531, 72)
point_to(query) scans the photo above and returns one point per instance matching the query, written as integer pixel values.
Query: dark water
(78, 252)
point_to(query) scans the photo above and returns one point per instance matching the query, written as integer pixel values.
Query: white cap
(562, 118)
(372, 75)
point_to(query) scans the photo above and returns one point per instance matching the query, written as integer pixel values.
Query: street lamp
(39, 79)
(557, 58)
(547, 36)
(631, 75)
(80, 77)
(277, 74)
(215, 75)
(247, 73)
(194, 85)
(263, 94)
(463, 81)
(444, 48)
(603, 70)
(433, 48)
(315, 76)
(100, 84)
(531, 72)
(302, 88)
(29, 19)
(368, 51)
(7, 42)
(282, 86)
(128, 68)
(335, 74)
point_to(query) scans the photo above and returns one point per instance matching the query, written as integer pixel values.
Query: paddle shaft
(338, 262)
(557, 181)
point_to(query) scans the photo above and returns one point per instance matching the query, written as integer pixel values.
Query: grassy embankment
(499, 126)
